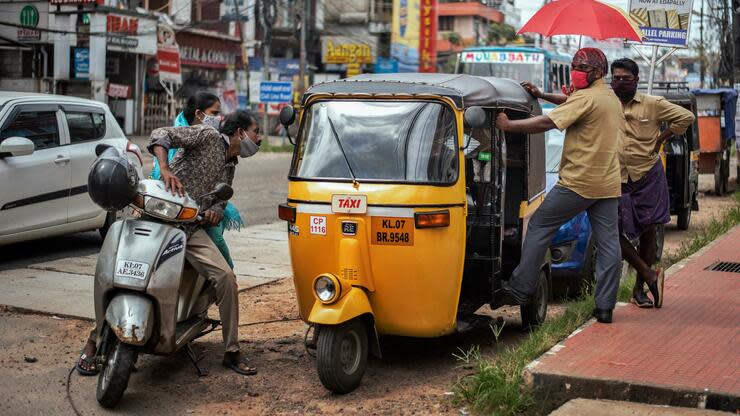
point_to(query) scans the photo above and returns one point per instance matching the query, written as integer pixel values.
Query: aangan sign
(348, 50)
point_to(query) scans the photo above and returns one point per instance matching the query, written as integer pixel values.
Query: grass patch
(276, 148)
(498, 386)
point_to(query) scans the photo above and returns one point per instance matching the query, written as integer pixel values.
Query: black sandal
(85, 363)
(236, 364)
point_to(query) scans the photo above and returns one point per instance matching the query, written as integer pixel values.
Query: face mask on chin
(248, 148)
(625, 89)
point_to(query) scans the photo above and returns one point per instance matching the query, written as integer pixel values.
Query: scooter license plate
(132, 269)
(392, 231)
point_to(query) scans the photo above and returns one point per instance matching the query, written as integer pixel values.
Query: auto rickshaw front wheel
(341, 355)
(534, 313)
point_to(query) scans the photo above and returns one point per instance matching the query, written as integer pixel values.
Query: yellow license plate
(391, 231)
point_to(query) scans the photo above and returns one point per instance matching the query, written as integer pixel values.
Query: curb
(561, 388)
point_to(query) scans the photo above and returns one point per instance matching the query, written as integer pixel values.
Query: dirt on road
(415, 376)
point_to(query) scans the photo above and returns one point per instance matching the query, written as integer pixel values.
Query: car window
(40, 127)
(85, 127)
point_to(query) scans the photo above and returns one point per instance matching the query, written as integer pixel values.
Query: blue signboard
(386, 66)
(82, 63)
(276, 92)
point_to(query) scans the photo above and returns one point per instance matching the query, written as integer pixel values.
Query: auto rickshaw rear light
(286, 212)
(327, 288)
(432, 219)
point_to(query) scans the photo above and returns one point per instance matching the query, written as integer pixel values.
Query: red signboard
(428, 36)
(122, 24)
(168, 55)
(119, 91)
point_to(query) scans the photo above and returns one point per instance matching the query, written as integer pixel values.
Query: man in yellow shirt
(589, 180)
(645, 200)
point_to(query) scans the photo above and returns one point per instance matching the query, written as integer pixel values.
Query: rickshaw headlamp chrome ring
(326, 288)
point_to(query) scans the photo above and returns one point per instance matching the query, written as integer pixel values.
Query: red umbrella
(583, 17)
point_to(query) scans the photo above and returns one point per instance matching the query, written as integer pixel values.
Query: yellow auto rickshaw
(406, 208)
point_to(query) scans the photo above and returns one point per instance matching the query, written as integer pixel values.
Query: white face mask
(213, 121)
(248, 148)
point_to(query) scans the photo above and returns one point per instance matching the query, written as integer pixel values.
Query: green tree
(501, 33)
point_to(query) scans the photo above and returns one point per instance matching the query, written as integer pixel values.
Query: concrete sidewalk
(65, 286)
(685, 354)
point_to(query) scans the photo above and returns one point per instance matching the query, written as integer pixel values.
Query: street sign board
(664, 23)
(276, 92)
(81, 63)
(168, 55)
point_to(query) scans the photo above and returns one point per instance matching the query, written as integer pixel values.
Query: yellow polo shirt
(643, 117)
(593, 121)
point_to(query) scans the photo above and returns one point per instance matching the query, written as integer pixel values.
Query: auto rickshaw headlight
(327, 288)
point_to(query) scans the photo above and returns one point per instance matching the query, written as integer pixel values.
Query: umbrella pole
(580, 38)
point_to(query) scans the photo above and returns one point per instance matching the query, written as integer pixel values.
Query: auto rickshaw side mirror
(287, 116)
(475, 117)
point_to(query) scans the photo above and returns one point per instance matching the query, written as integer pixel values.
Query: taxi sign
(349, 204)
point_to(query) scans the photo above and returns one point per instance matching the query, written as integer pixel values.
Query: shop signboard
(386, 66)
(119, 91)
(348, 50)
(81, 63)
(168, 55)
(428, 36)
(276, 92)
(134, 34)
(405, 34)
(29, 20)
(67, 2)
(664, 22)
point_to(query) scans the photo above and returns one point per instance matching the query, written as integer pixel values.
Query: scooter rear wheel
(535, 313)
(114, 375)
(341, 354)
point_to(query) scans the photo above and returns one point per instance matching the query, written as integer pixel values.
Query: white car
(47, 144)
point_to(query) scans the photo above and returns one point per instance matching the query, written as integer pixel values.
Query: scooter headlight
(161, 208)
(326, 288)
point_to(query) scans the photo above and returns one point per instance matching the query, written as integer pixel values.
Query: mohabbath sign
(664, 22)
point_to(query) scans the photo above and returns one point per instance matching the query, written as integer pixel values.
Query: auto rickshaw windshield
(389, 141)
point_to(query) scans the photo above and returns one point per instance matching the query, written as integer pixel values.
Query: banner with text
(664, 22)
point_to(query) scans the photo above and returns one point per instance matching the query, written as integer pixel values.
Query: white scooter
(147, 297)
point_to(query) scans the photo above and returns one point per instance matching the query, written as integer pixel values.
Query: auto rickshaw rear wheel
(684, 216)
(535, 312)
(341, 355)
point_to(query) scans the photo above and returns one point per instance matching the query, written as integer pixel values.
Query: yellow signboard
(347, 50)
(405, 33)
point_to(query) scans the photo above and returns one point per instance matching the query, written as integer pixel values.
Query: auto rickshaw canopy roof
(464, 90)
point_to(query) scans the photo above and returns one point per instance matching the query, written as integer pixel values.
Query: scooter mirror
(223, 192)
(475, 117)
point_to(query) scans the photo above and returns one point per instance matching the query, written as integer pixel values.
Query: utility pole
(245, 55)
(268, 12)
(302, 64)
(702, 59)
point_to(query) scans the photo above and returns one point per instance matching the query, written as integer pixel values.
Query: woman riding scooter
(86, 364)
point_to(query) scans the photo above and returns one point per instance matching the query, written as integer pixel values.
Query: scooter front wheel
(114, 375)
(341, 353)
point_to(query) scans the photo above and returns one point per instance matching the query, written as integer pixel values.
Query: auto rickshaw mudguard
(350, 306)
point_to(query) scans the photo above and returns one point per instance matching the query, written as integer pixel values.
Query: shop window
(85, 127)
(446, 23)
(40, 127)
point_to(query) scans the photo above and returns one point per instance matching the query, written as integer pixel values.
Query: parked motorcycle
(148, 299)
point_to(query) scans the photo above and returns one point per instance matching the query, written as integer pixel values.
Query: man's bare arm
(538, 124)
